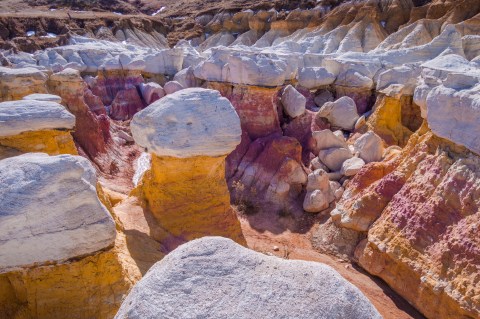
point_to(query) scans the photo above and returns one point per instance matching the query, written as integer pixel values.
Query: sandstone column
(189, 133)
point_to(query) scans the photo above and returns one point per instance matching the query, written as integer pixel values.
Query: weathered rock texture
(232, 281)
(420, 213)
(36, 126)
(59, 251)
(189, 134)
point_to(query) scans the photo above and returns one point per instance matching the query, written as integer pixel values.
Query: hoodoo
(189, 133)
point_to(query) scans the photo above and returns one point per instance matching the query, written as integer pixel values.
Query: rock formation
(189, 133)
(36, 126)
(233, 281)
(58, 245)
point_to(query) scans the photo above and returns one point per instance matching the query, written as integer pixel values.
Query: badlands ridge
(138, 154)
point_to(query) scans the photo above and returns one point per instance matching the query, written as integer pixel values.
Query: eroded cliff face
(353, 124)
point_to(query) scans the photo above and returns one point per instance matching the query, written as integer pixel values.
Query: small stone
(318, 180)
(317, 164)
(352, 166)
(342, 113)
(315, 201)
(334, 157)
(327, 139)
(293, 102)
(275, 248)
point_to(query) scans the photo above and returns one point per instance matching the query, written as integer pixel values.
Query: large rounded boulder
(214, 277)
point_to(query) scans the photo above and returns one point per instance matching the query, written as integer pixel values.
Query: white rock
(315, 201)
(190, 122)
(352, 78)
(241, 67)
(172, 87)
(352, 166)
(311, 77)
(215, 278)
(455, 115)
(317, 164)
(337, 189)
(318, 179)
(334, 157)
(335, 176)
(327, 139)
(186, 78)
(29, 115)
(43, 97)
(342, 113)
(151, 92)
(142, 164)
(50, 211)
(369, 147)
(293, 102)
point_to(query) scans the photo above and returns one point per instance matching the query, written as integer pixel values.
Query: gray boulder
(50, 211)
(213, 277)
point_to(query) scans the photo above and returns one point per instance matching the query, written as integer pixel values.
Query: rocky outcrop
(314, 290)
(17, 83)
(36, 233)
(36, 126)
(412, 238)
(189, 133)
(326, 98)
(58, 246)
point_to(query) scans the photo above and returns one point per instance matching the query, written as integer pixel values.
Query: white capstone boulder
(50, 211)
(187, 123)
(293, 102)
(341, 113)
(29, 115)
(369, 147)
(243, 67)
(215, 278)
(43, 97)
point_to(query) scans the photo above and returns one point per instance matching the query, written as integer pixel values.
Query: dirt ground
(297, 245)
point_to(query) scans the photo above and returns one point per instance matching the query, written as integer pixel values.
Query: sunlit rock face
(36, 126)
(58, 247)
(315, 290)
(189, 133)
(72, 228)
(17, 83)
